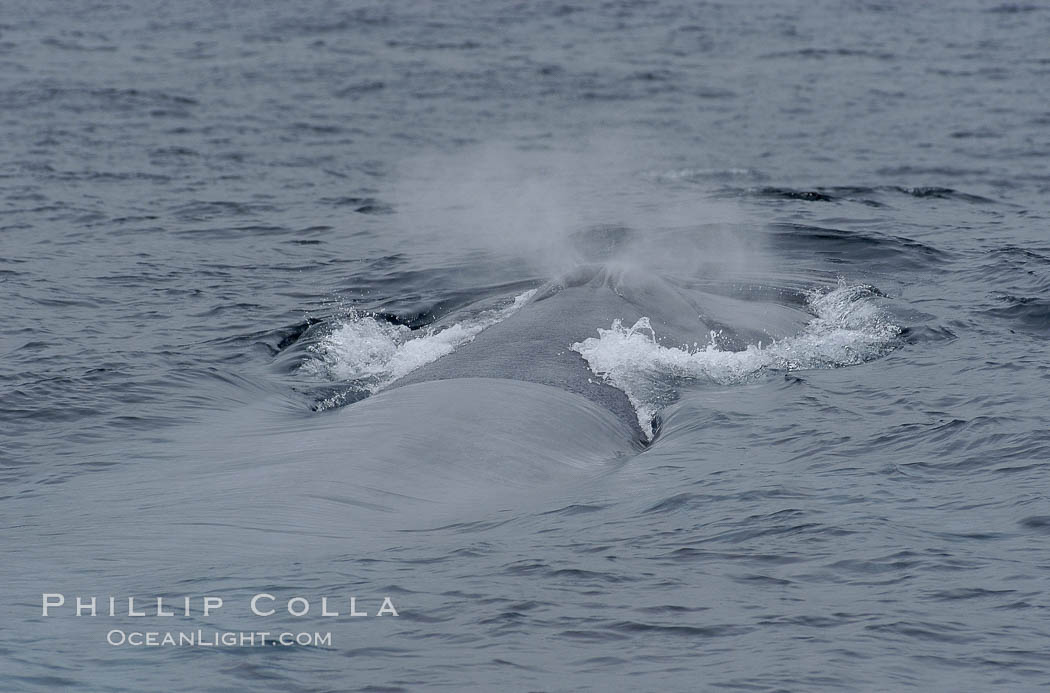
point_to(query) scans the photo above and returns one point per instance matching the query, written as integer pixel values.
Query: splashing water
(369, 354)
(848, 328)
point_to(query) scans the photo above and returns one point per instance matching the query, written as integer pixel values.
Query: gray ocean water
(227, 230)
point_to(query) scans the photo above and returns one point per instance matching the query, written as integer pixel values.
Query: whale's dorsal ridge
(581, 275)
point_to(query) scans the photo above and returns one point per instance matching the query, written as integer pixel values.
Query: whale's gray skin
(532, 345)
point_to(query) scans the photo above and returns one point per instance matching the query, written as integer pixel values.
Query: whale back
(533, 345)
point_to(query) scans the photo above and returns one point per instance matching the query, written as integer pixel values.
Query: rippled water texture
(625, 345)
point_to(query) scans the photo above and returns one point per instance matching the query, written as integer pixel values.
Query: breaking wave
(369, 354)
(848, 328)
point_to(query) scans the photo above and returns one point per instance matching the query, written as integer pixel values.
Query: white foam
(848, 328)
(369, 354)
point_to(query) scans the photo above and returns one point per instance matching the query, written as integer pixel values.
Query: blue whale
(514, 419)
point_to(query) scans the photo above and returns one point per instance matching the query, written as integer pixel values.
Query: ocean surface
(228, 230)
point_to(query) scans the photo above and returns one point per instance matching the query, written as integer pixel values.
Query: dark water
(221, 223)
